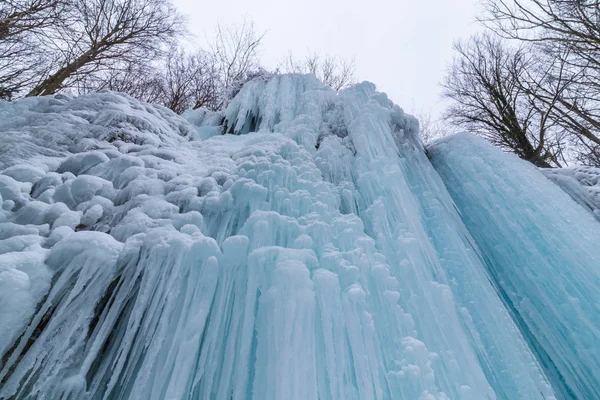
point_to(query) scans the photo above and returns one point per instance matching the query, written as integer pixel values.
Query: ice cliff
(541, 249)
(299, 245)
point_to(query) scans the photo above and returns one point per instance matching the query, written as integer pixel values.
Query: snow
(540, 248)
(43, 130)
(207, 123)
(581, 183)
(310, 252)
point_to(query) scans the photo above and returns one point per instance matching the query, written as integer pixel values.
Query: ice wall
(312, 253)
(542, 250)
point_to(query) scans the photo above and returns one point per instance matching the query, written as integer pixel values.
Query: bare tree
(20, 16)
(139, 80)
(430, 128)
(179, 72)
(574, 24)
(568, 30)
(206, 82)
(235, 51)
(191, 81)
(102, 33)
(494, 92)
(179, 81)
(122, 45)
(334, 71)
(22, 23)
(17, 63)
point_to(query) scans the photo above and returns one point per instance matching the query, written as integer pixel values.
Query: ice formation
(310, 252)
(541, 249)
(581, 183)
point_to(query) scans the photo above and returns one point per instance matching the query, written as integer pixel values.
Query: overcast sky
(403, 46)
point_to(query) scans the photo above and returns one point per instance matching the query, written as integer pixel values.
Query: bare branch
(566, 34)
(235, 50)
(494, 92)
(102, 32)
(334, 71)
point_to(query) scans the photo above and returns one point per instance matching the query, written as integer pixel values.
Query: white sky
(403, 46)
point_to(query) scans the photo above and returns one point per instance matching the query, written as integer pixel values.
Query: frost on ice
(310, 252)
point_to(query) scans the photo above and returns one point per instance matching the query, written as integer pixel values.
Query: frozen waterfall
(541, 250)
(299, 245)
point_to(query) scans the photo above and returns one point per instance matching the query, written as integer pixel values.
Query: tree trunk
(54, 82)
(583, 131)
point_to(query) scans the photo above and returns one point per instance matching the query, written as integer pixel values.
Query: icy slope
(581, 183)
(40, 131)
(540, 247)
(313, 254)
